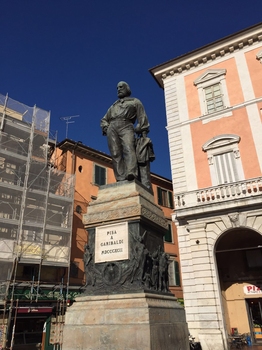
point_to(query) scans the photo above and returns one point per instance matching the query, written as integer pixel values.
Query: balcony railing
(220, 193)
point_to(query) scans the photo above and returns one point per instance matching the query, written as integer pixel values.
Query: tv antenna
(68, 121)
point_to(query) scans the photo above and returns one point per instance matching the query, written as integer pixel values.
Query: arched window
(224, 159)
(78, 209)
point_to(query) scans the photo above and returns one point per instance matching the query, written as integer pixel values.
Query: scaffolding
(36, 204)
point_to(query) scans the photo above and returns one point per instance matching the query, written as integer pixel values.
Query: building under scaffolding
(36, 203)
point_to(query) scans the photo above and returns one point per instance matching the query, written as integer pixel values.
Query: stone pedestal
(138, 321)
(127, 304)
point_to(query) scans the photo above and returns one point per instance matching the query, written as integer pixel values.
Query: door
(255, 316)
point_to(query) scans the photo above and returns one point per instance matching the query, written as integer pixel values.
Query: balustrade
(220, 193)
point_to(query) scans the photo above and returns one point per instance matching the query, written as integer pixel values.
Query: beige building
(213, 99)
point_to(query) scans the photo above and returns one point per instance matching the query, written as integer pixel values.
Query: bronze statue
(118, 125)
(88, 266)
(163, 272)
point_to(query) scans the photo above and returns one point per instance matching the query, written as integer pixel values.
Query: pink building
(213, 101)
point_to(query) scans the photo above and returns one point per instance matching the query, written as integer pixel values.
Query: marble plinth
(141, 321)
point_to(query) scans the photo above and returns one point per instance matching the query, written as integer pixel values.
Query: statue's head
(123, 89)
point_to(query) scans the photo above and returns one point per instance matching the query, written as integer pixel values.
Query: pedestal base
(126, 322)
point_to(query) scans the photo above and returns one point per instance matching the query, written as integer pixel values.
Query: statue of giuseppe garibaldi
(130, 156)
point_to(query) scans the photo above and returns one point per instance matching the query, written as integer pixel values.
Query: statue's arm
(105, 122)
(142, 120)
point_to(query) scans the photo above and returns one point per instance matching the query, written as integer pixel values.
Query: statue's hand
(105, 131)
(144, 134)
(140, 132)
(138, 129)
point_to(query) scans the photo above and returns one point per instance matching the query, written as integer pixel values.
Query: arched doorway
(239, 263)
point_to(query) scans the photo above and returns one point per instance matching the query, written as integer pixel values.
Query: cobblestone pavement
(253, 347)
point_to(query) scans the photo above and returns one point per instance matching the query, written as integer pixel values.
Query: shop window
(174, 273)
(30, 271)
(224, 159)
(212, 91)
(168, 235)
(165, 198)
(99, 175)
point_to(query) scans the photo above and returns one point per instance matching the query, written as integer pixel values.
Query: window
(78, 209)
(174, 273)
(165, 198)
(214, 99)
(74, 268)
(224, 159)
(100, 175)
(225, 166)
(212, 91)
(168, 235)
(31, 236)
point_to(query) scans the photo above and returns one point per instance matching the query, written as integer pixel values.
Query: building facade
(35, 228)
(93, 169)
(213, 99)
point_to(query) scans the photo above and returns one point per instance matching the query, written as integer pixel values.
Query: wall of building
(206, 207)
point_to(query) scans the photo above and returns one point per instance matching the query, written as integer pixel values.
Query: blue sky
(67, 56)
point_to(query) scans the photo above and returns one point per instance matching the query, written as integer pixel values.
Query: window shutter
(226, 168)
(97, 174)
(159, 195)
(168, 235)
(100, 175)
(171, 202)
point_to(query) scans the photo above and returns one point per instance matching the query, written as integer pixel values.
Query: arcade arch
(238, 253)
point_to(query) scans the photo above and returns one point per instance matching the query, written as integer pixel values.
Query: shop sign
(26, 310)
(252, 289)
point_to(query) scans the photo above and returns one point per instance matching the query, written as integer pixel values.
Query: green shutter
(100, 175)
(159, 195)
(96, 174)
(168, 235)
(171, 201)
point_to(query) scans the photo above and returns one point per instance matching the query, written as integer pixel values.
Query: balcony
(230, 195)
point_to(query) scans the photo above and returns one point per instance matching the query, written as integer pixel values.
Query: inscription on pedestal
(111, 242)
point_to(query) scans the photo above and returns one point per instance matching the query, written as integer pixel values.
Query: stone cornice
(123, 201)
(208, 53)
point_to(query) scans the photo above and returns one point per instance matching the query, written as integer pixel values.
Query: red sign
(26, 310)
